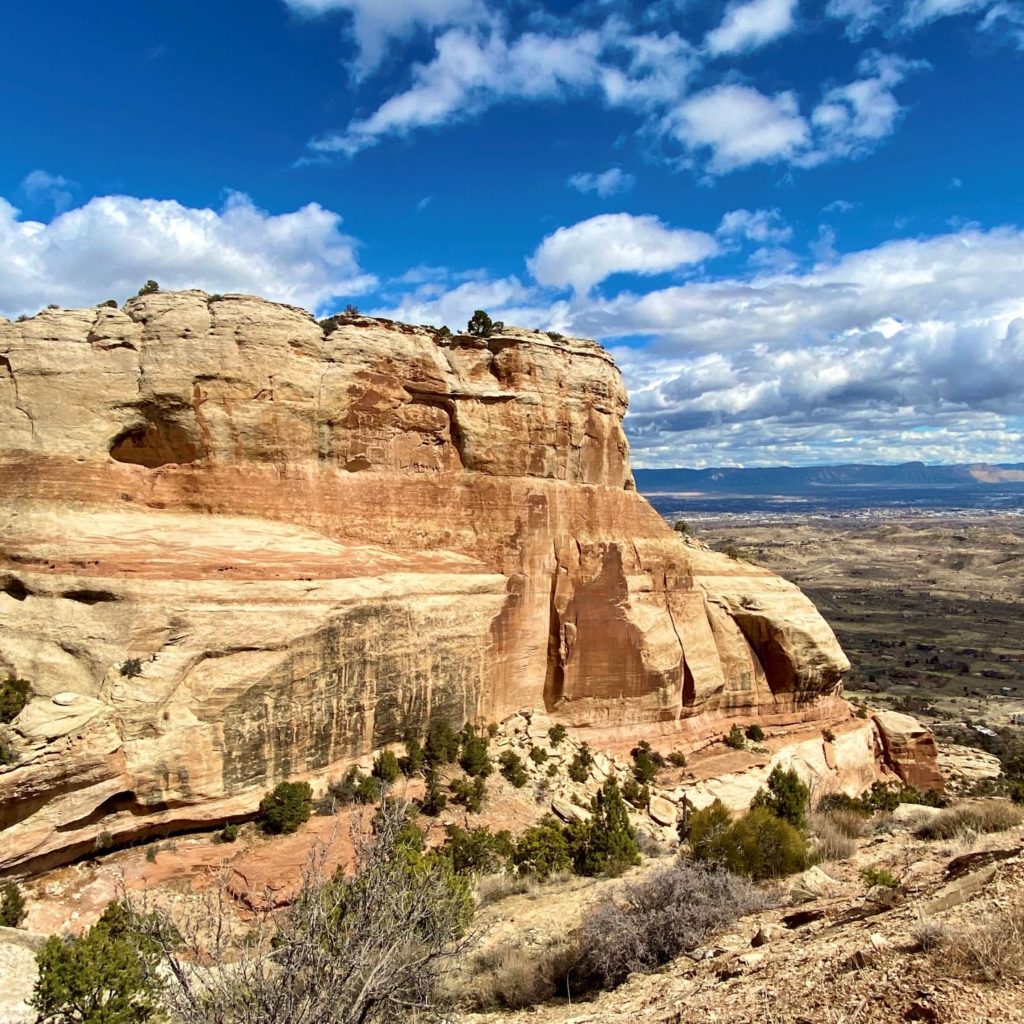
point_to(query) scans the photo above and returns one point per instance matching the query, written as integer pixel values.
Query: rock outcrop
(237, 547)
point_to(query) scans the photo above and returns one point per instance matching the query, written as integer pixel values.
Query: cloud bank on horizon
(744, 230)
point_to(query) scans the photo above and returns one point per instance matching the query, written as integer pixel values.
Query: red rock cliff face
(235, 549)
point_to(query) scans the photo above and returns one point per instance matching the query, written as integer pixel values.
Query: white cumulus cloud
(109, 246)
(375, 23)
(739, 126)
(608, 183)
(586, 253)
(749, 25)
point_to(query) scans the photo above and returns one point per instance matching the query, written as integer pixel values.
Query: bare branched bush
(980, 817)
(646, 924)
(848, 823)
(355, 950)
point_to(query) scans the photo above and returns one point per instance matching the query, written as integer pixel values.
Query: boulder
(662, 811)
(909, 749)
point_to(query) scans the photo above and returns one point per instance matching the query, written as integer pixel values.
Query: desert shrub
(831, 840)
(828, 735)
(643, 925)
(754, 733)
(342, 792)
(759, 845)
(14, 695)
(286, 807)
(606, 844)
(477, 850)
(473, 759)
(873, 876)
(538, 755)
(149, 288)
(677, 759)
(151, 854)
(131, 668)
(480, 325)
(108, 975)
(12, 906)
(444, 331)
(442, 744)
(385, 768)
(434, 801)
(731, 551)
(469, 793)
(786, 796)
(110, 303)
(579, 767)
(552, 770)
(646, 763)
(736, 739)
(412, 761)
(513, 769)
(556, 734)
(849, 823)
(887, 796)
(981, 817)
(350, 310)
(8, 755)
(510, 977)
(542, 850)
(990, 949)
(104, 841)
(229, 833)
(835, 803)
(347, 950)
(635, 794)
(680, 526)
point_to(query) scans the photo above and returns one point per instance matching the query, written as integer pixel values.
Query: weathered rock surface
(910, 748)
(235, 549)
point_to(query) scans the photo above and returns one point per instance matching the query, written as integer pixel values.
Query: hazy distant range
(906, 488)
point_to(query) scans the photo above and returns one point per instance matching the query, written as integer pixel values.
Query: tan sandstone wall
(312, 543)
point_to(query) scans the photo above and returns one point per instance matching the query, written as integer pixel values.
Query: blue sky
(799, 226)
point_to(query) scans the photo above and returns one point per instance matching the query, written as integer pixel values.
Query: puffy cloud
(474, 69)
(608, 183)
(40, 186)
(376, 22)
(852, 118)
(586, 253)
(860, 15)
(749, 25)
(740, 126)
(109, 246)
(914, 349)
(755, 226)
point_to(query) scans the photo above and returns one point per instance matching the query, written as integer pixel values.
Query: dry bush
(357, 950)
(851, 824)
(831, 841)
(992, 949)
(646, 924)
(981, 817)
(513, 978)
(928, 934)
(492, 888)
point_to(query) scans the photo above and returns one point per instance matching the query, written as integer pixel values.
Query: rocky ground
(833, 950)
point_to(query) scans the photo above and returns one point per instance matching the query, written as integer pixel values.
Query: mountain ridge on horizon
(759, 478)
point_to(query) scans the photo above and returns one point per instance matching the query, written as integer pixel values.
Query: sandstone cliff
(236, 547)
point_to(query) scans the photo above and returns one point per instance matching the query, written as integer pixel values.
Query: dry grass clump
(990, 950)
(835, 834)
(980, 817)
(512, 978)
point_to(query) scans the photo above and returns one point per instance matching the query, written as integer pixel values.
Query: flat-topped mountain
(237, 546)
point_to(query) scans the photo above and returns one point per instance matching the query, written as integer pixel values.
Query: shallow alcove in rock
(162, 440)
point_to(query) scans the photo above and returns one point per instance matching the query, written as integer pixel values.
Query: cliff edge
(237, 546)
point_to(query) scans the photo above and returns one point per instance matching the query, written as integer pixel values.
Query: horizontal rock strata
(237, 547)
